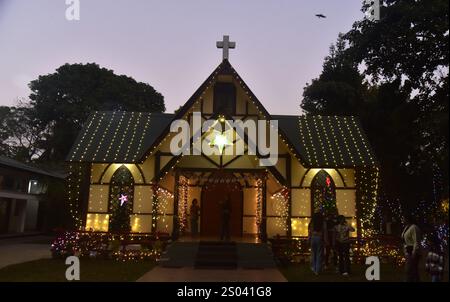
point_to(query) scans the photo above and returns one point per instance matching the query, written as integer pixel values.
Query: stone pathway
(189, 274)
(18, 250)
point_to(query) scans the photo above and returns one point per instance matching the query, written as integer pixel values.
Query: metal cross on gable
(225, 44)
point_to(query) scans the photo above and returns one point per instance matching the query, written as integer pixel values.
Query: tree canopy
(393, 75)
(61, 102)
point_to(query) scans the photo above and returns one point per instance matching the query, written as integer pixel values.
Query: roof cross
(225, 44)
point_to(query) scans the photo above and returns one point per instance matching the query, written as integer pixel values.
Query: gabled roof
(117, 136)
(14, 164)
(327, 141)
(127, 137)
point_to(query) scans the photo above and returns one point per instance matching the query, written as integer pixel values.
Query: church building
(126, 177)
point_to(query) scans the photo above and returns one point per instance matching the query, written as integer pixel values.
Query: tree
(62, 101)
(410, 44)
(20, 133)
(401, 94)
(339, 90)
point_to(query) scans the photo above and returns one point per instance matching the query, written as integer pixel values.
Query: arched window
(121, 200)
(323, 193)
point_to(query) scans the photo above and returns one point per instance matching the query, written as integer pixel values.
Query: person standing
(330, 250)
(342, 233)
(434, 264)
(411, 237)
(226, 215)
(195, 213)
(317, 229)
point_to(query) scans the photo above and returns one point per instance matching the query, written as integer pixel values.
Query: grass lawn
(91, 270)
(388, 273)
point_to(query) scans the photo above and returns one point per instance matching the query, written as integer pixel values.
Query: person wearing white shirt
(411, 237)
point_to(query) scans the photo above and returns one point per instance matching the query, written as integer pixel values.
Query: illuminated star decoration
(220, 141)
(123, 199)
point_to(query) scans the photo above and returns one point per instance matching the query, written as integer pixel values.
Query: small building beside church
(21, 188)
(126, 178)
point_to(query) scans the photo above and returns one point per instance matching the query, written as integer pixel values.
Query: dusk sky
(170, 44)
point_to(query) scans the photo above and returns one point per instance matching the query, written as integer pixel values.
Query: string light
(163, 198)
(183, 191)
(309, 131)
(259, 197)
(280, 201)
(98, 244)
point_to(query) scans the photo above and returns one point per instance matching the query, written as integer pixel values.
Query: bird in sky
(320, 16)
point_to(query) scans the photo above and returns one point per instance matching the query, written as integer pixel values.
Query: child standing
(342, 232)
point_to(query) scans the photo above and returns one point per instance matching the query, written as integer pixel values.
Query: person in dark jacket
(226, 215)
(195, 212)
(330, 250)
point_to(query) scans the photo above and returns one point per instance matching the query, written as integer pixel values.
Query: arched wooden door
(211, 210)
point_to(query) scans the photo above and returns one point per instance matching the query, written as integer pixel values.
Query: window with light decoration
(121, 200)
(323, 193)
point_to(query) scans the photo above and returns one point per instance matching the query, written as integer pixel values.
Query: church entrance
(212, 199)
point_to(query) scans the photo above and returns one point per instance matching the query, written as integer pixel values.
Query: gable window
(224, 98)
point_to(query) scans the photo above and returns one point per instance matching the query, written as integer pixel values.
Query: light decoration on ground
(132, 255)
(376, 246)
(103, 245)
(280, 201)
